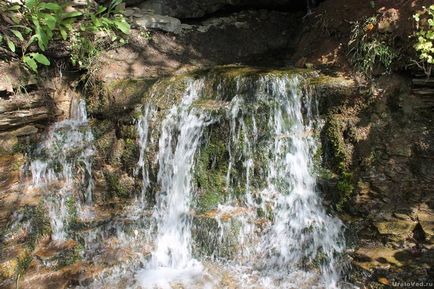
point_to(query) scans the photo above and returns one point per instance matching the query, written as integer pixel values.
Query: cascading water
(172, 260)
(142, 166)
(300, 233)
(65, 155)
(301, 229)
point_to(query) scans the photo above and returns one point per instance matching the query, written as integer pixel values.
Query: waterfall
(64, 155)
(269, 230)
(172, 260)
(301, 232)
(301, 229)
(142, 165)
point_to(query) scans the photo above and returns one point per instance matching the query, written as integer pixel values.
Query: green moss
(73, 221)
(40, 224)
(211, 170)
(130, 155)
(68, 256)
(115, 187)
(24, 146)
(23, 264)
(207, 237)
(339, 160)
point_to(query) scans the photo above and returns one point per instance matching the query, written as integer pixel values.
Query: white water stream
(300, 232)
(172, 260)
(62, 169)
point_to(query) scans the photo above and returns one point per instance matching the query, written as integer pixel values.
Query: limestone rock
(25, 110)
(398, 227)
(388, 21)
(426, 221)
(154, 21)
(13, 76)
(165, 54)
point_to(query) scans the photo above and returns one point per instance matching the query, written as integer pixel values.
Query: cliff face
(380, 147)
(375, 164)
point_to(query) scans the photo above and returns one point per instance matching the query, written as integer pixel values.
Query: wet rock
(376, 257)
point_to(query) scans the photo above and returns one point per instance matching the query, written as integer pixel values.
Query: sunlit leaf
(11, 45)
(72, 14)
(49, 6)
(41, 58)
(18, 34)
(31, 63)
(123, 26)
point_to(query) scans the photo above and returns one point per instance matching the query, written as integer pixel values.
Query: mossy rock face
(112, 99)
(119, 185)
(209, 241)
(337, 158)
(211, 169)
(33, 221)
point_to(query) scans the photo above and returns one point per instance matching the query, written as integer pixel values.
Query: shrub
(368, 49)
(425, 37)
(28, 29)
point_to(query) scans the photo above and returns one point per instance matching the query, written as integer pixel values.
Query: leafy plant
(425, 37)
(30, 28)
(88, 41)
(368, 48)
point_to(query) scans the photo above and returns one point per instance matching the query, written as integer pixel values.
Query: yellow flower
(369, 27)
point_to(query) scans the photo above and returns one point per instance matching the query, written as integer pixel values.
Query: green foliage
(30, 28)
(368, 48)
(425, 36)
(96, 27)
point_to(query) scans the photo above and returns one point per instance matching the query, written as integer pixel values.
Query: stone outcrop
(385, 147)
(248, 37)
(195, 8)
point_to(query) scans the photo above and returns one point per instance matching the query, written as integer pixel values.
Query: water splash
(65, 155)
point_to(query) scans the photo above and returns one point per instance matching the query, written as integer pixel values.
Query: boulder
(396, 227)
(388, 21)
